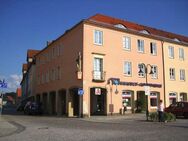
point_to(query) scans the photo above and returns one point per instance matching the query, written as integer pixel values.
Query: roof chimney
(48, 42)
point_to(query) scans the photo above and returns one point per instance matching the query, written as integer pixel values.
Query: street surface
(117, 128)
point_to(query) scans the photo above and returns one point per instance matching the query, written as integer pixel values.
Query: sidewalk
(116, 118)
(5, 127)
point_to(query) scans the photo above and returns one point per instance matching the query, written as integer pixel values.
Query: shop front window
(126, 99)
(172, 98)
(153, 99)
(153, 102)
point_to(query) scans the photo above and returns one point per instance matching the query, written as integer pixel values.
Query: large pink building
(102, 66)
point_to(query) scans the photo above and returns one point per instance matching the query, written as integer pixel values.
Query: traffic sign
(3, 84)
(80, 91)
(147, 90)
(97, 91)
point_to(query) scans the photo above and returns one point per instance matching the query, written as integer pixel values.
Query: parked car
(21, 106)
(33, 108)
(178, 109)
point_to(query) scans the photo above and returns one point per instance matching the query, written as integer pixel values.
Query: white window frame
(153, 48)
(97, 34)
(181, 54)
(140, 45)
(171, 52)
(98, 67)
(127, 68)
(182, 75)
(155, 72)
(126, 43)
(171, 72)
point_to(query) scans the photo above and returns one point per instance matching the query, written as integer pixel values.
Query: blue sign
(116, 82)
(80, 91)
(3, 84)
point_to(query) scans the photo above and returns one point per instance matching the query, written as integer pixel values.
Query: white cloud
(16, 78)
(13, 82)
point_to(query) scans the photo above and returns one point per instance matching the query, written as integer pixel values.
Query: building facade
(175, 58)
(28, 83)
(103, 66)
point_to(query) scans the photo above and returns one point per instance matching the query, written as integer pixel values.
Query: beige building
(104, 66)
(176, 62)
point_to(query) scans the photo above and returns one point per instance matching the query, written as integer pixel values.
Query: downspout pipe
(163, 61)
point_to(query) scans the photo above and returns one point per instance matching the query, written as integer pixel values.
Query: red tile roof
(32, 53)
(130, 25)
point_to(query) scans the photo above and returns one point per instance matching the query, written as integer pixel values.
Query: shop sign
(116, 81)
(97, 91)
(147, 90)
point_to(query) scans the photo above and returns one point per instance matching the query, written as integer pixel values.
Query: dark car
(33, 108)
(21, 106)
(178, 109)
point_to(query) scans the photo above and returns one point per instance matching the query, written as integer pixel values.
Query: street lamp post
(146, 72)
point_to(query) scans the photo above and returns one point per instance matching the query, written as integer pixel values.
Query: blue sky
(28, 24)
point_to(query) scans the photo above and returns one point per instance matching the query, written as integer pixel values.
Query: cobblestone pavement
(5, 127)
(117, 128)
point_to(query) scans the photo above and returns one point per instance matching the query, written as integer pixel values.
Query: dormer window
(177, 40)
(144, 32)
(24, 72)
(120, 26)
(30, 60)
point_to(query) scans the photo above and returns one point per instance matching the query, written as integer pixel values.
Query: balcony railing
(98, 76)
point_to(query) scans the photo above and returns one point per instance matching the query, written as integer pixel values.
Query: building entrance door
(141, 101)
(74, 98)
(62, 102)
(98, 101)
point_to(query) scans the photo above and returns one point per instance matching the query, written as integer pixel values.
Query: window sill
(97, 44)
(171, 57)
(125, 49)
(141, 52)
(154, 77)
(181, 59)
(126, 75)
(153, 54)
(141, 76)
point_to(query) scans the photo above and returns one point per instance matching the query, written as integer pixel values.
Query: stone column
(58, 107)
(49, 104)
